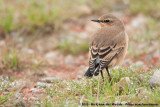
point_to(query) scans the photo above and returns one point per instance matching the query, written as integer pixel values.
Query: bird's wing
(106, 52)
(93, 51)
(108, 55)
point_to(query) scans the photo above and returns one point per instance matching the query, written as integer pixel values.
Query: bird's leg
(108, 74)
(102, 75)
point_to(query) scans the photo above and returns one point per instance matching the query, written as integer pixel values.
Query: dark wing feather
(88, 73)
(93, 55)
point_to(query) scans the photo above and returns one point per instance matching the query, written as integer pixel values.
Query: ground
(44, 53)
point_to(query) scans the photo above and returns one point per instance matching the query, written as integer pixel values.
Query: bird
(108, 45)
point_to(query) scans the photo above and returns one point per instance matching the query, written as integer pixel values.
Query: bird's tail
(88, 73)
(96, 72)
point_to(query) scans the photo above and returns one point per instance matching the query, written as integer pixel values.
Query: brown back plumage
(108, 43)
(106, 35)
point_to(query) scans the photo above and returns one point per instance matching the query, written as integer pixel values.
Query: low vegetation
(87, 91)
(28, 31)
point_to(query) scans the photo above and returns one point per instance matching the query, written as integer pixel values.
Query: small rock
(43, 85)
(123, 102)
(79, 77)
(37, 91)
(53, 56)
(141, 77)
(139, 20)
(48, 79)
(2, 43)
(69, 59)
(139, 63)
(142, 92)
(123, 83)
(28, 51)
(155, 79)
(135, 22)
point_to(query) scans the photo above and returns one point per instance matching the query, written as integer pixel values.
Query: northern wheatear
(108, 45)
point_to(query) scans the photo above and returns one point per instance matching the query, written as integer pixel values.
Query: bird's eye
(106, 21)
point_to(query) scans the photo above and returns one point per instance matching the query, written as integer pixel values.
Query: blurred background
(49, 39)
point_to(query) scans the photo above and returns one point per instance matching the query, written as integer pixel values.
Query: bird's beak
(96, 20)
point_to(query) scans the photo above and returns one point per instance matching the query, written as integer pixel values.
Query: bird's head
(108, 20)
